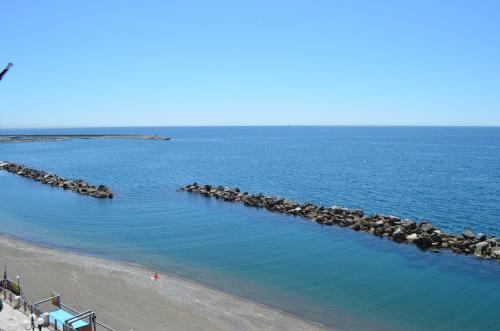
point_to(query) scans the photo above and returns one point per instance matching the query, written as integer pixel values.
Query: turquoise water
(330, 275)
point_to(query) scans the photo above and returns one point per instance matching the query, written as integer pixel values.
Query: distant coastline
(61, 137)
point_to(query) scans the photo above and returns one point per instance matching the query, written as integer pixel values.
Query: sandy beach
(124, 298)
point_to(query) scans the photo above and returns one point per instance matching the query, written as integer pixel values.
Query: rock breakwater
(422, 234)
(63, 137)
(47, 178)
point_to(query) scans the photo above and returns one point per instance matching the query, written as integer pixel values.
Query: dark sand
(123, 296)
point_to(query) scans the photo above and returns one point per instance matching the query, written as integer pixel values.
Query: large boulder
(398, 235)
(481, 237)
(467, 234)
(436, 236)
(426, 227)
(424, 241)
(358, 212)
(356, 226)
(412, 237)
(408, 225)
(480, 248)
(393, 219)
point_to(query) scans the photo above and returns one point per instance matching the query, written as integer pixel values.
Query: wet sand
(123, 296)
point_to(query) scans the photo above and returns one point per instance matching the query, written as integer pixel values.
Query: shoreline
(123, 296)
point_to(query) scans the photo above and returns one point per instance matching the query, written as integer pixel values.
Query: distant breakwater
(62, 137)
(423, 234)
(78, 185)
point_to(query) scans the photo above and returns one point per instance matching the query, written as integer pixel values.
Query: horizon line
(250, 125)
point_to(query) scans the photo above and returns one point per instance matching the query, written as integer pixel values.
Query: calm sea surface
(330, 275)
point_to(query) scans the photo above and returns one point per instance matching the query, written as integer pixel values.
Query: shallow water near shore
(329, 275)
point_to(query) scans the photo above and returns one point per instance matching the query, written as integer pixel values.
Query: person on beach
(4, 71)
(155, 277)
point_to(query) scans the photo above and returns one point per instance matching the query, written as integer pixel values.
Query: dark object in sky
(4, 71)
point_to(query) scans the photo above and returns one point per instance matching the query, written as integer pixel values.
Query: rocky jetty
(62, 137)
(423, 234)
(47, 178)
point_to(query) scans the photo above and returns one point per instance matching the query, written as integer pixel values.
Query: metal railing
(9, 297)
(21, 302)
(104, 326)
(25, 298)
(69, 308)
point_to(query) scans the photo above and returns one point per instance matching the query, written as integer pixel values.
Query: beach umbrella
(4, 71)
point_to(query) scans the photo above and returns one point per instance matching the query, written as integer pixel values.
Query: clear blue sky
(134, 63)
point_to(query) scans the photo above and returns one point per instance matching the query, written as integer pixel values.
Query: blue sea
(330, 275)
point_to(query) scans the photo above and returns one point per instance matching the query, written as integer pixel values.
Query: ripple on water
(327, 274)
